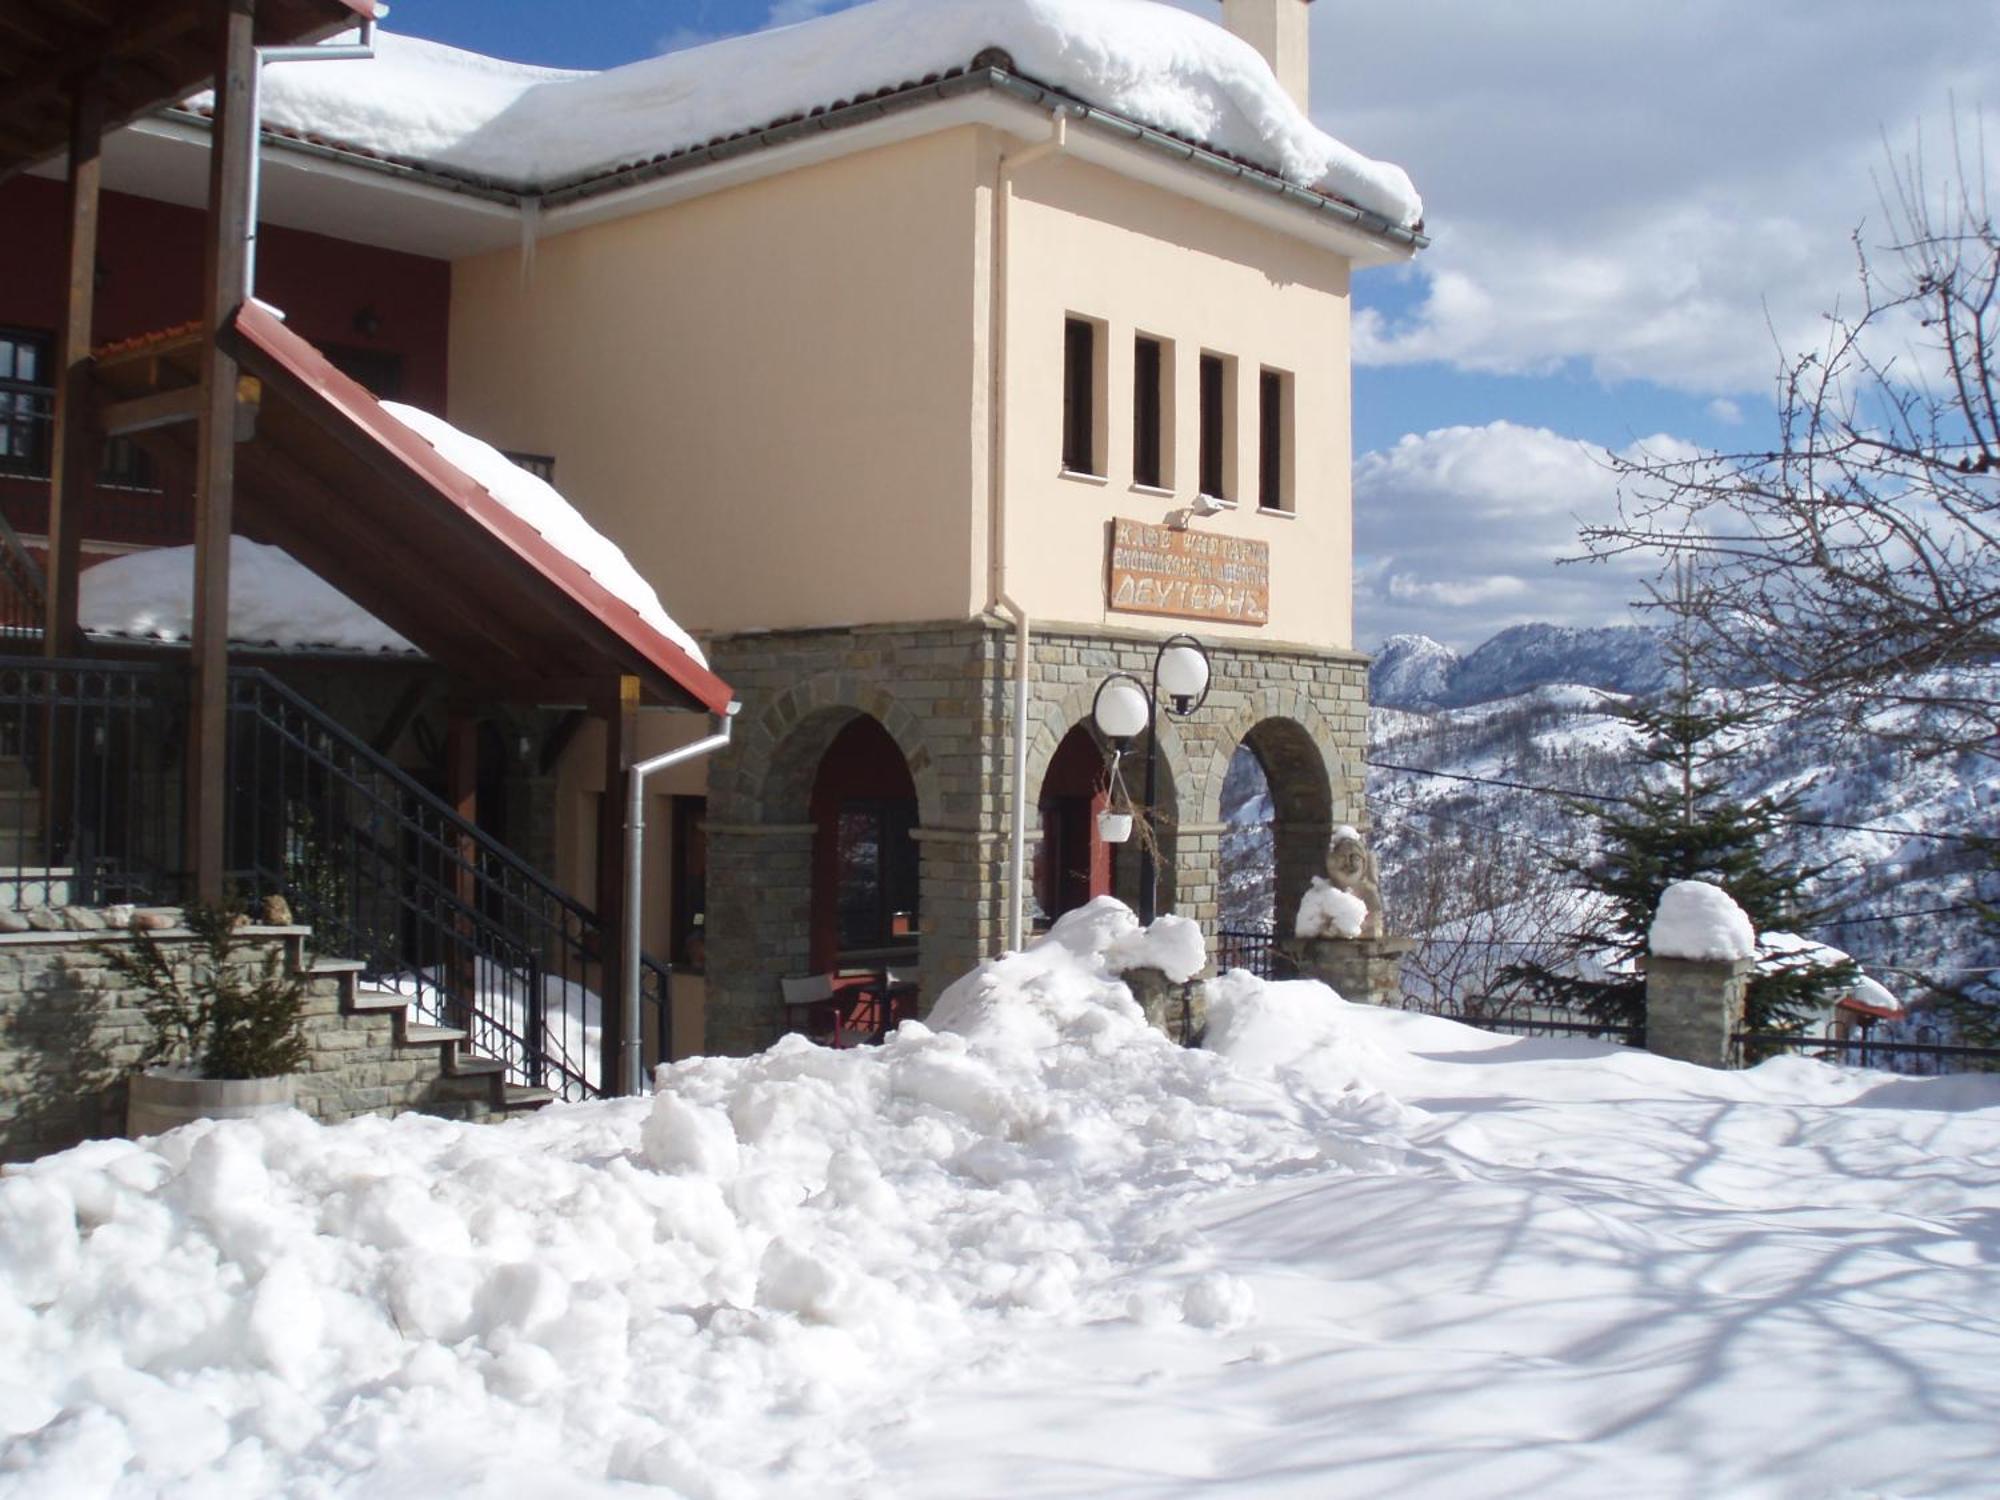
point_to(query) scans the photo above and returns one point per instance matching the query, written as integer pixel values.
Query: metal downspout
(635, 878)
(361, 51)
(996, 510)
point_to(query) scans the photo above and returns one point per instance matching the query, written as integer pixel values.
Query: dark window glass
(878, 872)
(126, 466)
(1146, 451)
(1271, 440)
(378, 369)
(1211, 427)
(27, 403)
(1079, 396)
(541, 465)
(689, 944)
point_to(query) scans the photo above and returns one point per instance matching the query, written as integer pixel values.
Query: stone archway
(1062, 728)
(1283, 741)
(769, 848)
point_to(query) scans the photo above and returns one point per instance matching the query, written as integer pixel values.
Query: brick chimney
(1276, 28)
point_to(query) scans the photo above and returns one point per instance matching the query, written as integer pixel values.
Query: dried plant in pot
(228, 1031)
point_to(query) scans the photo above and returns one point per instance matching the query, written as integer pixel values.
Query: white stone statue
(1351, 868)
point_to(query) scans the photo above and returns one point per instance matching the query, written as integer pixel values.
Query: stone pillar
(759, 926)
(1181, 1011)
(1366, 971)
(1694, 1007)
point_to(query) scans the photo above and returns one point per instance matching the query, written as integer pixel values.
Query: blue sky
(1634, 208)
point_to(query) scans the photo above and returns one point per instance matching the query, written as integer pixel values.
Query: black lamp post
(1125, 707)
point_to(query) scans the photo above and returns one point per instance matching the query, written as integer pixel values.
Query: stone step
(520, 1098)
(430, 1036)
(336, 966)
(372, 999)
(472, 1065)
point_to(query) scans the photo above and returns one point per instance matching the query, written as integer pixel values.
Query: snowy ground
(1034, 1250)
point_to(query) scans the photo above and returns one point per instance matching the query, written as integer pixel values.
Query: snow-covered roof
(543, 507)
(529, 127)
(274, 600)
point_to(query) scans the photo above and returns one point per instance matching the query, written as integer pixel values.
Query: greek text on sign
(1193, 575)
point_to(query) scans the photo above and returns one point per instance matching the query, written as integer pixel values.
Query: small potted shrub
(227, 1038)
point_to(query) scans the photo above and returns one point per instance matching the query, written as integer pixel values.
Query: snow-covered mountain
(1476, 863)
(1539, 706)
(1414, 671)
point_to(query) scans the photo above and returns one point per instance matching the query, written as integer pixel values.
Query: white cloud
(1726, 411)
(1458, 533)
(1663, 192)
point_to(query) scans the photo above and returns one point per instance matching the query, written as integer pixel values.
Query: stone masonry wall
(71, 1030)
(944, 693)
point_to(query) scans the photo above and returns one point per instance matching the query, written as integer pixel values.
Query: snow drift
(1032, 1247)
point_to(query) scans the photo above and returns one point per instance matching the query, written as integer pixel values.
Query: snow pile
(1327, 911)
(542, 506)
(1699, 921)
(508, 123)
(1019, 1251)
(274, 600)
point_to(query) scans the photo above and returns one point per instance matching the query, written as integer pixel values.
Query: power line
(1577, 796)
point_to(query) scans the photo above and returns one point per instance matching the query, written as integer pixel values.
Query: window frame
(1153, 413)
(1085, 399)
(1277, 445)
(37, 461)
(1216, 383)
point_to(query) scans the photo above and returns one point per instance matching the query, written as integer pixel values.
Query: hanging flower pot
(1114, 827)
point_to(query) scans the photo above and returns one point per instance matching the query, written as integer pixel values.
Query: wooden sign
(1191, 575)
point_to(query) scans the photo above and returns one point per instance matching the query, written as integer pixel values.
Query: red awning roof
(152, 53)
(379, 513)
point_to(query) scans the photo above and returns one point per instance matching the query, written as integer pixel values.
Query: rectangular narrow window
(1079, 453)
(1274, 440)
(689, 874)
(27, 402)
(1148, 366)
(1218, 437)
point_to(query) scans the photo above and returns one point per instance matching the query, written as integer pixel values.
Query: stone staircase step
(471, 1064)
(520, 1097)
(367, 999)
(429, 1036)
(336, 966)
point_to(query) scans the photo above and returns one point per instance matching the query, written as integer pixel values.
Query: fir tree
(1685, 823)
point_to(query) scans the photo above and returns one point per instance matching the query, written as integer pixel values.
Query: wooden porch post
(461, 772)
(230, 154)
(73, 469)
(621, 729)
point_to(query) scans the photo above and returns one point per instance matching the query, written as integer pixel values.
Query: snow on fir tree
(1685, 822)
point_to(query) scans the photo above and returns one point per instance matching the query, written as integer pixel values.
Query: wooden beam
(75, 453)
(405, 708)
(144, 413)
(619, 708)
(231, 155)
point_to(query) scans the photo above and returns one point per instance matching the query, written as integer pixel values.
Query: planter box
(161, 1101)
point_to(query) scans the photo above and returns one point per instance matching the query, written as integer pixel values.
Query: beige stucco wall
(773, 397)
(765, 395)
(1087, 242)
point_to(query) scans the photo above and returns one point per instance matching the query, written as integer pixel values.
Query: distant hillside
(1416, 672)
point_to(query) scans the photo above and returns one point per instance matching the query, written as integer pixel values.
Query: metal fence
(1923, 1052)
(1252, 948)
(1518, 1018)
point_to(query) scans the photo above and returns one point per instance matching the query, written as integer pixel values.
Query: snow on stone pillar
(1277, 29)
(1338, 940)
(1701, 952)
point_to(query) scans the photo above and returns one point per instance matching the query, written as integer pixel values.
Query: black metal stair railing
(92, 798)
(387, 873)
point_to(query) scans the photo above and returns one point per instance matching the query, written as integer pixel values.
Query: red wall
(149, 278)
